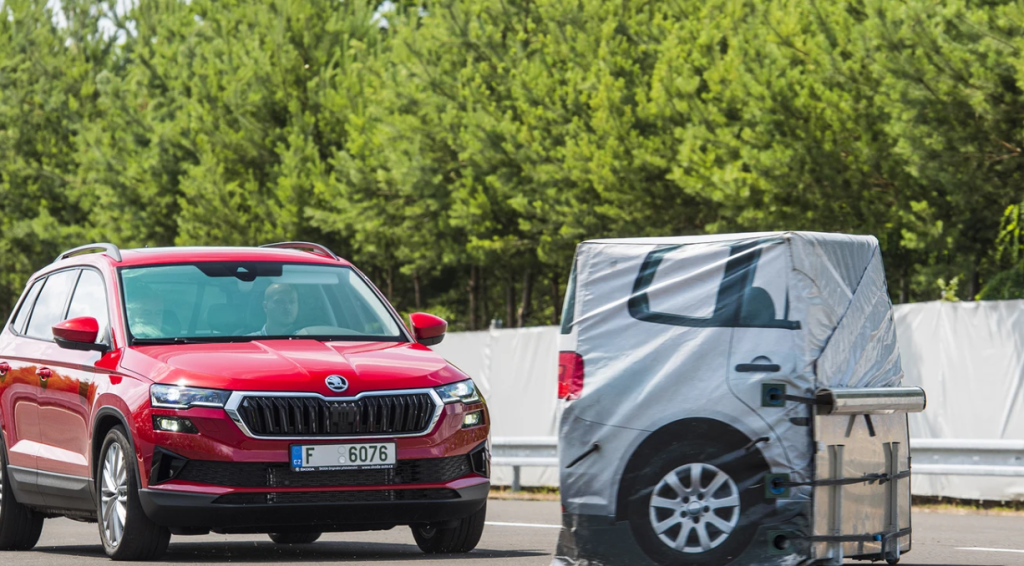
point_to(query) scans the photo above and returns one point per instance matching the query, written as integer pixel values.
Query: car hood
(293, 365)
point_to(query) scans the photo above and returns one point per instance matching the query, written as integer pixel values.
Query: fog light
(472, 419)
(174, 424)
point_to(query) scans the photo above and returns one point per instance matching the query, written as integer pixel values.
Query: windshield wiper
(167, 341)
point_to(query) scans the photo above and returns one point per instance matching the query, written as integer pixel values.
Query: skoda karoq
(233, 390)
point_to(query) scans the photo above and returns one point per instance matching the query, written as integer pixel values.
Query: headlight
(464, 391)
(174, 397)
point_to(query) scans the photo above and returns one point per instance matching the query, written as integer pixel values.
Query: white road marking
(992, 549)
(533, 525)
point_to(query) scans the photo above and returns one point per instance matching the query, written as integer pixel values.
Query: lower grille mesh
(261, 474)
(365, 496)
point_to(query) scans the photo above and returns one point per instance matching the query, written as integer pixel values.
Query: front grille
(365, 496)
(313, 416)
(259, 474)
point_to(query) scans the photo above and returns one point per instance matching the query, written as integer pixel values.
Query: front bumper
(219, 479)
(203, 511)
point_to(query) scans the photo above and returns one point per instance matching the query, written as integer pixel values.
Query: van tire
(20, 526)
(743, 471)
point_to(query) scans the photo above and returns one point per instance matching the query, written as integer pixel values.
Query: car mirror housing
(427, 328)
(78, 334)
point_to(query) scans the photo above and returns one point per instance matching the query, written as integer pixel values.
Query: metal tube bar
(894, 503)
(870, 400)
(835, 453)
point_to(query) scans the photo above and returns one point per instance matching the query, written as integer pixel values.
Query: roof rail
(109, 249)
(308, 246)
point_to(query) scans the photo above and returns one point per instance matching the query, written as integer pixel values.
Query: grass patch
(930, 504)
(526, 493)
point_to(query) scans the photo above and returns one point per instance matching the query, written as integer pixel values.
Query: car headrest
(758, 307)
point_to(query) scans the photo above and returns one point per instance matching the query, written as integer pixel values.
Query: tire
(117, 490)
(710, 525)
(20, 526)
(461, 538)
(294, 538)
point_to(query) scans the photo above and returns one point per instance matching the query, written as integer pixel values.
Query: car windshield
(230, 301)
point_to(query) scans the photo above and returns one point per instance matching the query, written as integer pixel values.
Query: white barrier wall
(517, 372)
(968, 356)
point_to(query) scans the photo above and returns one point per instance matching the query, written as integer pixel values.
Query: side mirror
(427, 328)
(78, 334)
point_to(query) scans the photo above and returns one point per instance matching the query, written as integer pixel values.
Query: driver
(281, 305)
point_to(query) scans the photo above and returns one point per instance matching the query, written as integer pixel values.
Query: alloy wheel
(694, 508)
(114, 494)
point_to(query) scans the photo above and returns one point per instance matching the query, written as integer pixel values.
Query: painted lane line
(992, 549)
(536, 526)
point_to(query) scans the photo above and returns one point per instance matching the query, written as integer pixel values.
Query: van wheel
(294, 538)
(20, 526)
(125, 530)
(461, 538)
(698, 503)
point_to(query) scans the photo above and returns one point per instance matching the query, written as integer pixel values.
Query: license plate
(311, 457)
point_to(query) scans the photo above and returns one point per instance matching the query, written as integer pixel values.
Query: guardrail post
(516, 485)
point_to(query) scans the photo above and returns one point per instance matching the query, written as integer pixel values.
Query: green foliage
(948, 289)
(459, 154)
(1009, 255)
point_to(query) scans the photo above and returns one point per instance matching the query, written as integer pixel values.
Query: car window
(221, 301)
(569, 303)
(49, 307)
(90, 299)
(26, 307)
(714, 285)
(765, 301)
(366, 311)
(687, 281)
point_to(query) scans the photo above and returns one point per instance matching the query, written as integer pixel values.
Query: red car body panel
(293, 365)
(50, 424)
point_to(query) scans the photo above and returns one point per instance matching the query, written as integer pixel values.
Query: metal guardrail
(960, 457)
(529, 451)
(931, 456)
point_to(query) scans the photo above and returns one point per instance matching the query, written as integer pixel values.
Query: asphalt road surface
(518, 533)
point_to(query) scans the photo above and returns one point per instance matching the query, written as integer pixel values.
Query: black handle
(747, 368)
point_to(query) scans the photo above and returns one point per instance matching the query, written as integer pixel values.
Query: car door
(44, 354)
(65, 399)
(35, 353)
(19, 386)
(763, 348)
(688, 294)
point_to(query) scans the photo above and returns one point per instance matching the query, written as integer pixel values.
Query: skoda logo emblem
(336, 383)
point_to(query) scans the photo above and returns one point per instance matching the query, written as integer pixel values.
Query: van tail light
(570, 375)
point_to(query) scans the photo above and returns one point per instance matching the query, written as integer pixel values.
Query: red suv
(234, 390)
